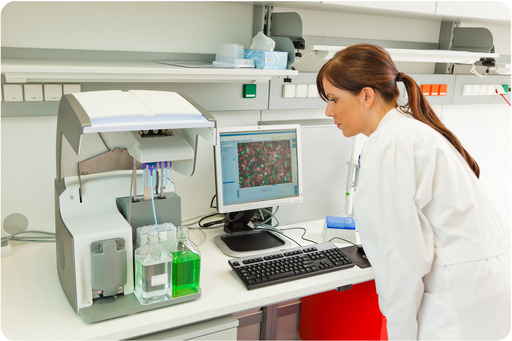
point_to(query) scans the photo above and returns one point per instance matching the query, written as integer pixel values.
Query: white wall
(156, 26)
(28, 143)
(28, 169)
(356, 25)
(485, 132)
(28, 157)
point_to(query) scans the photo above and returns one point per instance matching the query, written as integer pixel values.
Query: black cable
(271, 228)
(302, 237)
(44, 237)
(211, 202)
(262, 217)
(211, 223)
(277, 231)
(271, 215)
(345, 240)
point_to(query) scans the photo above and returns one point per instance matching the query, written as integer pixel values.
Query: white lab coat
(440, 253)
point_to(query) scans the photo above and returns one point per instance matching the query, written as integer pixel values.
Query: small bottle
(153, 269)
(186, 264)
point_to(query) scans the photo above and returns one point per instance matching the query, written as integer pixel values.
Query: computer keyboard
(287, 265)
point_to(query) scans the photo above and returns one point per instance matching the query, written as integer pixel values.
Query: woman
(439, 251)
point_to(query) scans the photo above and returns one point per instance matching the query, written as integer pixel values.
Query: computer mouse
(360, 252)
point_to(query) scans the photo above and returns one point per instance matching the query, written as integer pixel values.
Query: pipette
(352, 177)
(152, 196)
(146, 182)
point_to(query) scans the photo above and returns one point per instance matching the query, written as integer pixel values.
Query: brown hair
(366, 65)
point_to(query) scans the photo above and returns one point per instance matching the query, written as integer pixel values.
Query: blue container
(270, 60)
(346, 223)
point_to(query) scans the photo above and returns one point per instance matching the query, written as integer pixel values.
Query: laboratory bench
(34, 305)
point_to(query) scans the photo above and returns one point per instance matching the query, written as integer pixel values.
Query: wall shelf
(415, 55)
(33, 71)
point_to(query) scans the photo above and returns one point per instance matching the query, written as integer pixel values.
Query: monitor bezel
(221, 207)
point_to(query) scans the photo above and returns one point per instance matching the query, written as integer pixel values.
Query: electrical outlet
(13, 92)
(33, 92)
(312, 91)
(52, 92)
(15, 223)
(71, 88)
(301, 90)
(288, 90)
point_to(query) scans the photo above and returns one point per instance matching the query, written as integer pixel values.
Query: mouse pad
(356, 256)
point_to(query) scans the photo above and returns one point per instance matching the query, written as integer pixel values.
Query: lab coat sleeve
(395, 177)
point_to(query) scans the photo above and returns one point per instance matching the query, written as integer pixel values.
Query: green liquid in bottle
(185, 273)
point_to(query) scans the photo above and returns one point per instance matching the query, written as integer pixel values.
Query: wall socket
(15, 223)
(37, 92)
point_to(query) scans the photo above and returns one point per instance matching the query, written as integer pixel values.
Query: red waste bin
(352, 314)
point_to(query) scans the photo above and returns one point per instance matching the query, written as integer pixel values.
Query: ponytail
(419, 108)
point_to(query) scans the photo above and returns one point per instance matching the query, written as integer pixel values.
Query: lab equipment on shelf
(295, 263)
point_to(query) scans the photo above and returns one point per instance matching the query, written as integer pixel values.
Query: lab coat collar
(388, 117)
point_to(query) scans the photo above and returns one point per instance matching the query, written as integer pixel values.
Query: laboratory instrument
(344, 227)
(257, 167)
(277, 267)
(352, 178)
(115, 152)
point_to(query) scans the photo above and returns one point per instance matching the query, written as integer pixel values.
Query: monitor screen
(258, 167)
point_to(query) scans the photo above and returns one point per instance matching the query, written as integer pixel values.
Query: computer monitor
(256, 167)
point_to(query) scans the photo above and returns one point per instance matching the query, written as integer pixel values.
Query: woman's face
(345, 108)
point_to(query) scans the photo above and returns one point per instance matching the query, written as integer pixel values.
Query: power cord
(273, 229)
(280, 231)
(345, 240)
(475, 72)
(265, 219)
(211, 202)
(272, 215)
(210, 223)
(303, 234)
(33, 236)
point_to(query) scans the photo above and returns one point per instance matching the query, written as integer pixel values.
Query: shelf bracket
(445, 43)
(261, 19)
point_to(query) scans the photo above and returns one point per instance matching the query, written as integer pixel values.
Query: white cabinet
(445, 10)
(223, 328)
(482, 10)
(423, 7)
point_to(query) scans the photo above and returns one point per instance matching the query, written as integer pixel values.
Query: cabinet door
(492, 10)
(347, 315)
(222, 328)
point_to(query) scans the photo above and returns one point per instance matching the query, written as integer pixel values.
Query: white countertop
(34, 305)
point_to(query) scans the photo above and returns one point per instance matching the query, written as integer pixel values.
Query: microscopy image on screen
(264, 163)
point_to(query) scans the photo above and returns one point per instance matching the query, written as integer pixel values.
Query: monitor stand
(241, 240)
